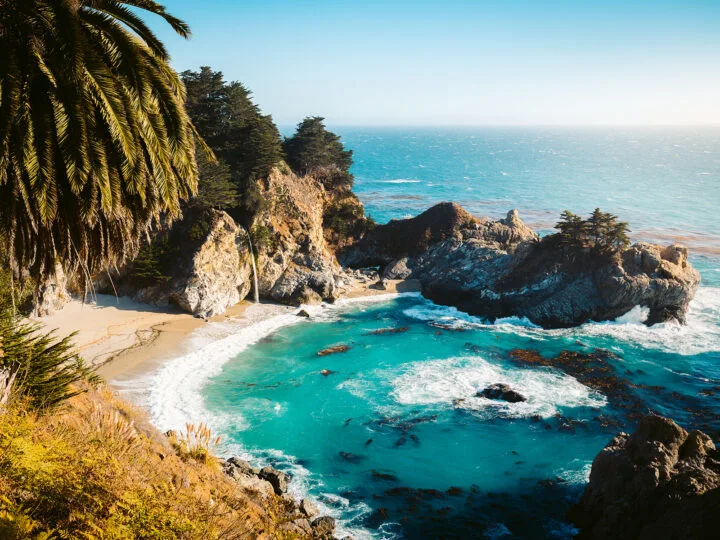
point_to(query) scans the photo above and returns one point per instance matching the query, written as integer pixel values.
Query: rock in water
(659, 482)
(333, 350)
(502, 392)
(502, 268)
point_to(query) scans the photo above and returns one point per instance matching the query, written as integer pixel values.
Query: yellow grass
(97, 469)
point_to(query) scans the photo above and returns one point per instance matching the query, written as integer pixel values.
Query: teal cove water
(394, 441)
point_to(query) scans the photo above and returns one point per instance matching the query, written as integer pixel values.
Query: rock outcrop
(501, 392)
(269, 483)
(502, 268)
(659, 482)
(295, 265)
(202, 266)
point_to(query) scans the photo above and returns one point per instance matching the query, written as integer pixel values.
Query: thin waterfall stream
(255, 278)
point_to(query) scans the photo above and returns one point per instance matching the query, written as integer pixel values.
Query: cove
(393, 440)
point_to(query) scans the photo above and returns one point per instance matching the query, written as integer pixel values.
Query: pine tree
(246, 142)
(315, 150)
(37, 366)
(573, 230)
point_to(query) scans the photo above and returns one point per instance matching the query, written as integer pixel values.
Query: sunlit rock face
(501, 268)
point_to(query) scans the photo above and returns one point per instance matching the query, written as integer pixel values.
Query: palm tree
(95, 143)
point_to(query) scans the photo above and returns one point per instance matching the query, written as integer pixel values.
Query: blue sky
(466, 62)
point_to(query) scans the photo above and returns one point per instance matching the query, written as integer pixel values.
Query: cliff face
(659, 482)
(202, 266)
(501, 268)
(295, 264)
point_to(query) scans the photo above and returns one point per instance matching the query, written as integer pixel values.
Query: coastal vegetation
(97, 150)
(601, 233)
(98, 469)
(96, 146)
(247, 143)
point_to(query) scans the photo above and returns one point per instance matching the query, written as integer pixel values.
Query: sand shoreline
(125, 339)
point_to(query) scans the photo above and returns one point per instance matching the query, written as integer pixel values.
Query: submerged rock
(333, 350)
(659, 482)
(501, 392)
(393, 330)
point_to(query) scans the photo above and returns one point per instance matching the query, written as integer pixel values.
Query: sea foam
(700, 335)
(455, 382)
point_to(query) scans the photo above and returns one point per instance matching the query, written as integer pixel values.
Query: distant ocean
(394, 442)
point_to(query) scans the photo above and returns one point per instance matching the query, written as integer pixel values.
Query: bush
(149, 268)
(196, 443)
(37, 366)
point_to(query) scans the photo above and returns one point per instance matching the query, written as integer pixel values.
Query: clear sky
(463, 62)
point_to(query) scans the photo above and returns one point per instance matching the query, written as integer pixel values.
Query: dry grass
(195, 443)
(97, 469)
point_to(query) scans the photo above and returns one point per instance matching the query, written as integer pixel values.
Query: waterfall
(255, 279)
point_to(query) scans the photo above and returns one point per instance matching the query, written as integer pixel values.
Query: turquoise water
(394, 441)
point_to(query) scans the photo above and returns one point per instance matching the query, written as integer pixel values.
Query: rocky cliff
(202, 265)
(659, 482)
(502, 268)
(294, 262)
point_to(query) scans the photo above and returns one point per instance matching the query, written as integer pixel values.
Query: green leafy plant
(38, 366)
(95, 142)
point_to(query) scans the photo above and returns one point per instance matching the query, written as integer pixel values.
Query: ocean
(394, 442)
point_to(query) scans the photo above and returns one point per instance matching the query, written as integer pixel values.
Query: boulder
(308, 508)
(234, 466)
(659, 482)
(277, 479)
(501, 392)
(398, 269)
(380, 285)
(323, 527)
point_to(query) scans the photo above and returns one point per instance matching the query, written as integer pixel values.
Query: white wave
(700, 335)
(400, 181)
(442, 382)
(637, 315)
(175, 390)
(173, 394)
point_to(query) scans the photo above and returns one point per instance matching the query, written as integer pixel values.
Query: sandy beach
(123, 337)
